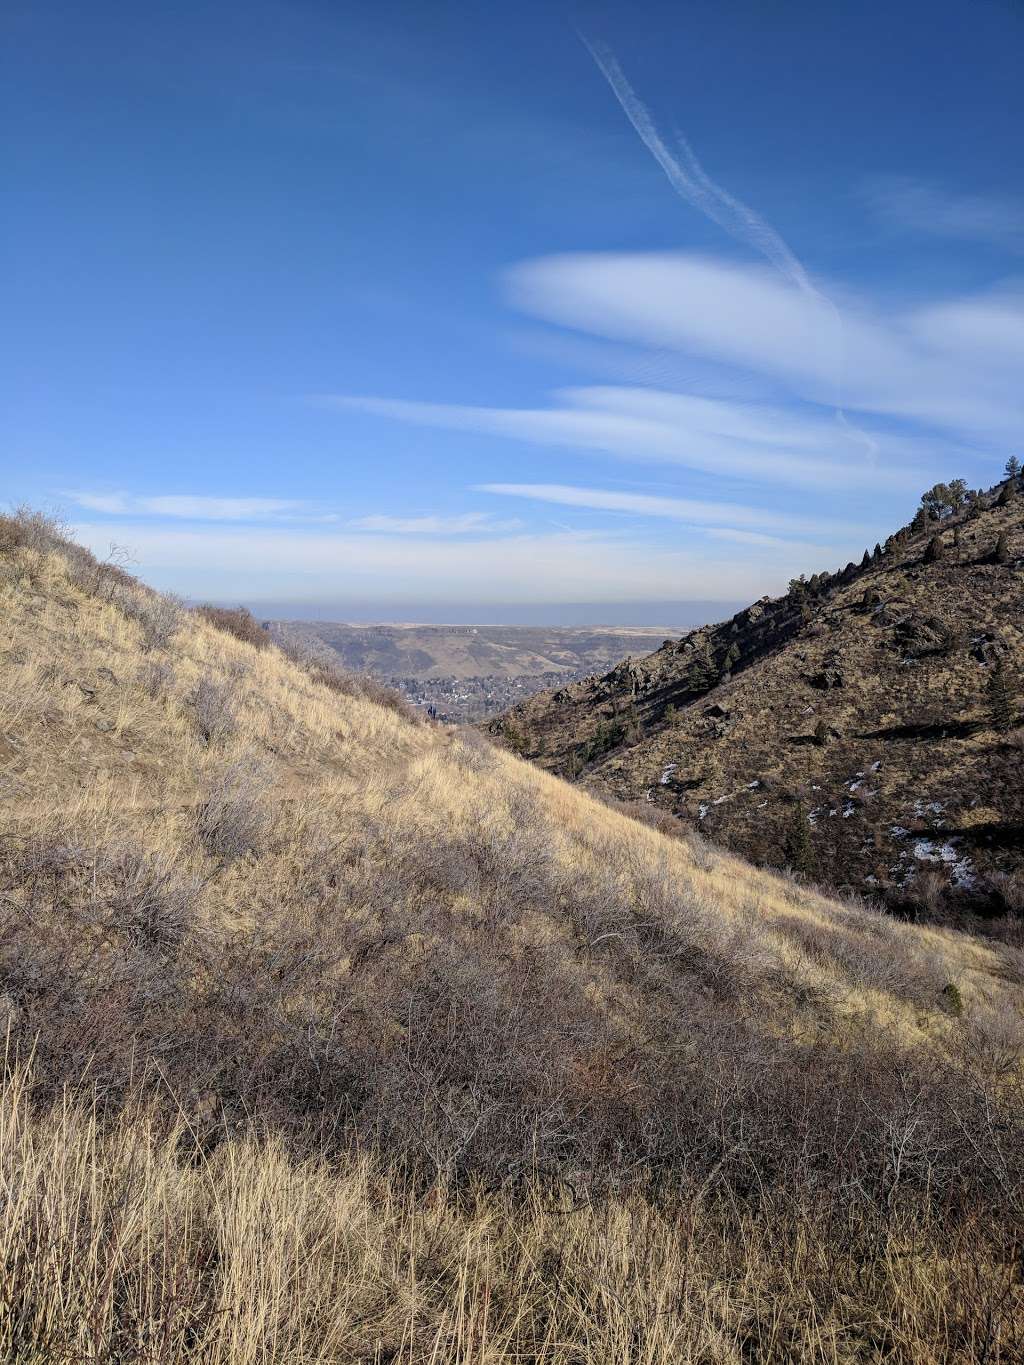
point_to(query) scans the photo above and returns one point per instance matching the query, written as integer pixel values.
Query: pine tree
(1000, 698)
(1012, 467)
(866, 560)
(958, 494)
(878, 553)
(1001, 554)
(935, 551)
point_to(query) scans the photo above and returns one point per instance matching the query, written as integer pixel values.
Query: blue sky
(411, 310)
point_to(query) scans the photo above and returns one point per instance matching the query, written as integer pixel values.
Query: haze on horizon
(452, 314)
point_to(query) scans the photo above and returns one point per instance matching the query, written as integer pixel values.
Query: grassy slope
(240, 909)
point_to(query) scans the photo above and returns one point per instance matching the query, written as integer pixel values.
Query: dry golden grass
(333, 1036)
(126, 1242)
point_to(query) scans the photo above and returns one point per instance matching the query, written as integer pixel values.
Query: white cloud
(723, 515)
(918, 206)
(316, 565)
(470, 523)
(921, 364)
(192, 507)
(805, 449)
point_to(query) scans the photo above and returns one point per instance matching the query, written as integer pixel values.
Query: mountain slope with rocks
(864, 728)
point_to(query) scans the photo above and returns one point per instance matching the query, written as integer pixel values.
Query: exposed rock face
(861, 697)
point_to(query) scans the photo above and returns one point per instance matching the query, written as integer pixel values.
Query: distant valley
(466, 672)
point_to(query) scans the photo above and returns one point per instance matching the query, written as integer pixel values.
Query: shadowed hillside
(333, 1035)
(850, 729)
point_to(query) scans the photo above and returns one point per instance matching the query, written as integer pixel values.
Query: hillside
(333, 1035)
(846, 727)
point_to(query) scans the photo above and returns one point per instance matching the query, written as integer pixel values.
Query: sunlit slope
(331, 1035)
(269, 793)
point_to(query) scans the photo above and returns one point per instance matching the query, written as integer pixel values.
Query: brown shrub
(214, 710)
(233, 818)
(33, 530)
(236, 621)
(155, 677)
(158, 615)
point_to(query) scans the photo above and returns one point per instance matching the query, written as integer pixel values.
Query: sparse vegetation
(237, 621)
(334, 1037)
(211, 701)
(902, 646)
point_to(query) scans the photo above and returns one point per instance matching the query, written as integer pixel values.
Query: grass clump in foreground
(128, 1241)
(335, 1037)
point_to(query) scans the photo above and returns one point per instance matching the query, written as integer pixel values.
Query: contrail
(690, 181)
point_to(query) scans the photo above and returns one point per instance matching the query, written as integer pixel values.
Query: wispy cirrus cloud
(937, 386)
(917, 206)
(468, 524)
(195, 507)
(314, 564)
(953, 363)
(748, 441)
(723, 518)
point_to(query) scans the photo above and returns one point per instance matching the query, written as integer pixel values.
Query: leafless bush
(1009, 887)
(236, 621)
(702, 852)
(158, 615)
(107, 579)
(151, 902)
(156, 677)
(31, 529)
(233, 818)
(929, 890)
(472, 749)
(214, 710)
(12, 534)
